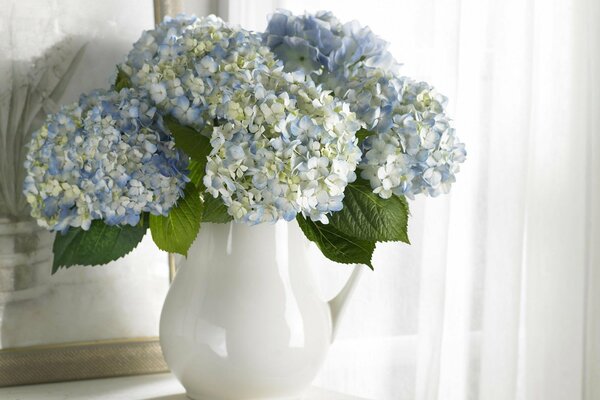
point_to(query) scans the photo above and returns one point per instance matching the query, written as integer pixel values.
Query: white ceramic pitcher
(243, 319)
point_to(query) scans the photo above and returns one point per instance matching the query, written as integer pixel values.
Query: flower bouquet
(209, 122)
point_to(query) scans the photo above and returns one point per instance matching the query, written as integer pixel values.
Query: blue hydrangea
(187, 64)
(321, 43)
(413, 148)
(281, 145)
(287, 152)
(106, 157)
(419, 153)
(305, 42)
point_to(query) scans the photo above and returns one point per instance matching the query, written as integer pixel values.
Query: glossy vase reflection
(243, 319)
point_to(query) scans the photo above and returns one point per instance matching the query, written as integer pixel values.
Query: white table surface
(146, 387)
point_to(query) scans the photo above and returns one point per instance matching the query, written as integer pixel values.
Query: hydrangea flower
(281, 145)
(414, 149)
(187, 64)
(107, 157)
(306, 42)
(318, 42)
(285, 152)
(419, 153)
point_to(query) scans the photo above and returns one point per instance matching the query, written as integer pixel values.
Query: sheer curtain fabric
(498, 297)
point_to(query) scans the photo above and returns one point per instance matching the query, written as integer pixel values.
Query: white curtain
(498, 297)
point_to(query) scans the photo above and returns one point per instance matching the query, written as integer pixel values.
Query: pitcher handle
(337, 305)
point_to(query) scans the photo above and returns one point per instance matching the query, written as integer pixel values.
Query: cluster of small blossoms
(419, 153)
(414, 150)
(107, 157)
(318, 42)
(187, 64)
(282, 152)
(280, 144)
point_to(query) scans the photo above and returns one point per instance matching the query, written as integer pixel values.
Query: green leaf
(362, 134)
(197, 171)
(369, 217)
(122, 81)
(335, 245)
(215, 211)
(176, 232)
(98, 245)
(192, 142)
